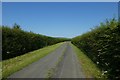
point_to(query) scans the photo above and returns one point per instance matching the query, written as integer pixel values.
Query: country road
(61, 63)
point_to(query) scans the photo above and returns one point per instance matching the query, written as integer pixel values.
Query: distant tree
(16, 26)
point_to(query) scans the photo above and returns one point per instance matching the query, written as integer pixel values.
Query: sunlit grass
(0, 70)
(12, 65)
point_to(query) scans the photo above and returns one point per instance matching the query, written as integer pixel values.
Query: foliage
(102, 45)
(16, 42)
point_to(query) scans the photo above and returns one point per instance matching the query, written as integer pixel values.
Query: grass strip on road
(89, 67)
(15, 64)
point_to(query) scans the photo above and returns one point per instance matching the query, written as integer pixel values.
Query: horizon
(63, 19)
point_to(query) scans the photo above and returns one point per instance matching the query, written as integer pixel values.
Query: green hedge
(102, 45)
(16, 42)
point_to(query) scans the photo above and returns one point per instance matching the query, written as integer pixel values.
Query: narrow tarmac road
(63, 60)
(70, 66)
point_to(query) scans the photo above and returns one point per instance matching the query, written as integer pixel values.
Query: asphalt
(69, 67)
(63, 61)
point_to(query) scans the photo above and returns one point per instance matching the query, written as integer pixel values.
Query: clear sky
(68, 19)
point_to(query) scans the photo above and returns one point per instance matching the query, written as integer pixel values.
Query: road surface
(61, 63)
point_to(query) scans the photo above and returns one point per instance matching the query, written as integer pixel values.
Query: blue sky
(68, 19)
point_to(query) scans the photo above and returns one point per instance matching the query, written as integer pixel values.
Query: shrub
(16, 42)
(102, 45)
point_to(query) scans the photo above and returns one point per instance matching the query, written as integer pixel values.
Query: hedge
(102, 45)
(16, 41)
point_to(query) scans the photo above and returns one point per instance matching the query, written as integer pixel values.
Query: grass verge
(12, 65)
(89, 67)
(0, 70)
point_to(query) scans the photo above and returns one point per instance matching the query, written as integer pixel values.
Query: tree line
(102, 45)
(16, 41)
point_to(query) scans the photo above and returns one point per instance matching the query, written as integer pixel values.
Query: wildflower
(97, 62)
(105, 71)
(8, 52)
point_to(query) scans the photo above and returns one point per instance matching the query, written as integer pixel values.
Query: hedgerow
(16, 41)
(102, 45)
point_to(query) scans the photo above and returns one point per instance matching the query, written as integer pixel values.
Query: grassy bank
(12, 65)
(89, 68)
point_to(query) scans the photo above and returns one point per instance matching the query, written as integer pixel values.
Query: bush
(16, 42)
(102, 45)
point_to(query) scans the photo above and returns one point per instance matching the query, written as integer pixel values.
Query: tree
(16, 26)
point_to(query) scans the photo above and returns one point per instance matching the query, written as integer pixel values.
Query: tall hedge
(102, 45)
(16, 42)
